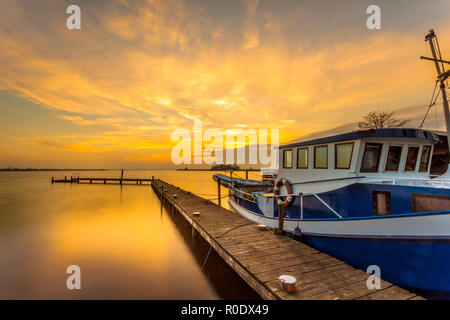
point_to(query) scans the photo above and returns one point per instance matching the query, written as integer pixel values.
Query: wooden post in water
(162, 196)
(121, 177)
(219, 198)
(246, 174)
(281, 210)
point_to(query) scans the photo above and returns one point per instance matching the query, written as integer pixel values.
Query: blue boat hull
(421, 264)
(412, 249)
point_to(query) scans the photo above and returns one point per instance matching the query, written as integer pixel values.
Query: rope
(435, 39)
(432, 103)
(206, 259)
(239, 176)
(210, 247)
(205, 194)
(216, 198)
(436, 118)
(240, 226)
(440, 56)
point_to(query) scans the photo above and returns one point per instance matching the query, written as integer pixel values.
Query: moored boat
(365, 197)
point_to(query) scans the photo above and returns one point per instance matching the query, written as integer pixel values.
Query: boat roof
(372, 133)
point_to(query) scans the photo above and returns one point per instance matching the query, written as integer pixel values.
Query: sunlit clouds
(137, 71)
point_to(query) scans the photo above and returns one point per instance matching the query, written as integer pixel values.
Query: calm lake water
(126, 247)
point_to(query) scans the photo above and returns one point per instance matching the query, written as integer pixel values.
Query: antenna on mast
(442, 76)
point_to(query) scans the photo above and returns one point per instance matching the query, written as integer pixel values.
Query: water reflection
(224, 280)
(125, 246)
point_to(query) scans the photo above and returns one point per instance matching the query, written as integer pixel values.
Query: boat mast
(442, 76)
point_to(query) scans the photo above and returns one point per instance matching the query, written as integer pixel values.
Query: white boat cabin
(381, 153)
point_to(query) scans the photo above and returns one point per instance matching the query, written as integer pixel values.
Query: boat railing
(252, 197)
(387, 180)
(241, 194)
(327, 180)
(323, 202)
(412, 181)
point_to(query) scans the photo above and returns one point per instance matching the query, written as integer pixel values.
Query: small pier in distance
(96, 180)
(260, 256)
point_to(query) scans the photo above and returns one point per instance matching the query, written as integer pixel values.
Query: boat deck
(260, 256)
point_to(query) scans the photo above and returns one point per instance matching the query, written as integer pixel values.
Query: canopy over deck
(372, 133)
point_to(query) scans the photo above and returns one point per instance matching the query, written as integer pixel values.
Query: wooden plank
(276, 264)
(306, 278)
(300, 268)
(391, 293)
(349, 292)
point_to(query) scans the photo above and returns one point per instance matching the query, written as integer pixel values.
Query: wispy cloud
(138, 70)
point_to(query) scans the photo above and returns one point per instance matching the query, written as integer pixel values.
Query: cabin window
(321, 157)
(381, 203)
(302, 158)
(411, 158)
(423, 202)
(393, 158)
(287, 159)
(371, 157)
(425, 158)
(343, 155)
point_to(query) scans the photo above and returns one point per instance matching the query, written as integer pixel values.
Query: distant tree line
(223, 167)
(48, 169)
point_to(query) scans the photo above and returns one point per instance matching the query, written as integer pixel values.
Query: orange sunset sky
(110, 95)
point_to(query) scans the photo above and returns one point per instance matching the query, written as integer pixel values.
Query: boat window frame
(315, 148)
(415, 162)
(428, 160)
(284, 157)
(387, 157)
(307, 157)
(416, 197)
(364, 157)
(351, 155)
(388, 203)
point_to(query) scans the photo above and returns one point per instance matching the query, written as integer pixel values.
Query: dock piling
(162, 196)
(280, 229)
(219, 198)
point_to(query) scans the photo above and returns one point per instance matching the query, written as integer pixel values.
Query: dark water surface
(126, 247)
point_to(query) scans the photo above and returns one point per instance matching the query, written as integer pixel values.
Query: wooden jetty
(120, 181)
(261, 256)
